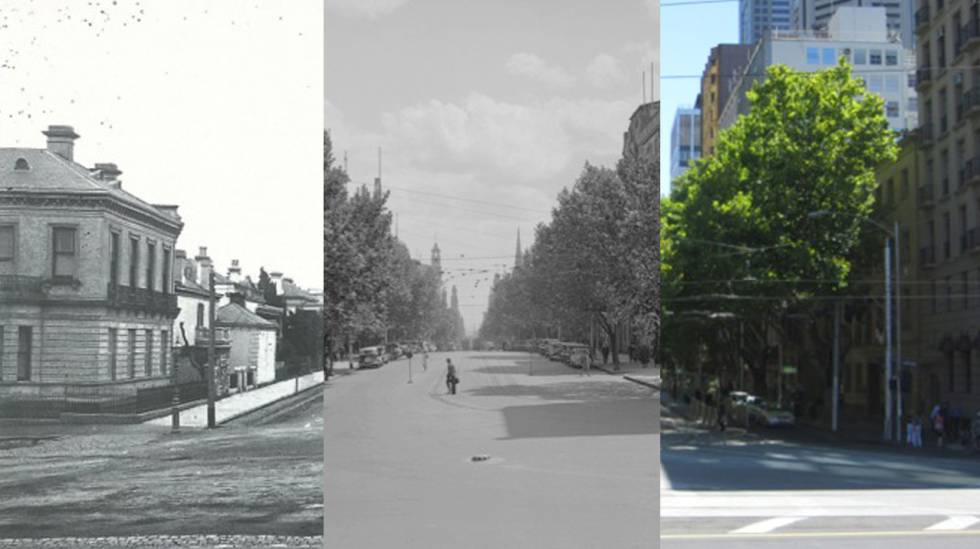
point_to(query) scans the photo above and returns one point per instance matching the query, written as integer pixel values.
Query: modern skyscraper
(816, 14)
(685, 141)
(857, 34)
(725, 63)
(757, 17)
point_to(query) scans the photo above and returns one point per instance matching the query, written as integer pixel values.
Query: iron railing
(141, 299)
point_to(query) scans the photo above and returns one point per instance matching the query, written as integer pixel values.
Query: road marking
(768, 525)
(795, 535)
(955, 523)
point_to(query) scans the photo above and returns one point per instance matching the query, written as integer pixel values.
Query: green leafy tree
(740, 231)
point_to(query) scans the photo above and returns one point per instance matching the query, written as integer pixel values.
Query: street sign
(789, 369)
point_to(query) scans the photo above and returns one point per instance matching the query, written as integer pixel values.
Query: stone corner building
(86, 287)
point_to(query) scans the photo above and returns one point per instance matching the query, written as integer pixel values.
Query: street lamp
(893, 236)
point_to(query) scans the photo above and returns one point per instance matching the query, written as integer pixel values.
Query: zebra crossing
(800, 513)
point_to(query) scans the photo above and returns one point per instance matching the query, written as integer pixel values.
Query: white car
(761, 412)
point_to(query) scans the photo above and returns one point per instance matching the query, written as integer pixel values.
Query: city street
(570, 459)
(258, 478)
(756, 490)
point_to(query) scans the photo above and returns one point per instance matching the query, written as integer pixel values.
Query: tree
(740, 231)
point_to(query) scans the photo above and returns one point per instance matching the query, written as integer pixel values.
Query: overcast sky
(211, 105)
(484, 111)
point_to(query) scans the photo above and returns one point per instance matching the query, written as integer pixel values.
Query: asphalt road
(261, 475)
(571, 459)
(757, 490)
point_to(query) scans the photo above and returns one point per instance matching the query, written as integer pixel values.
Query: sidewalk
(861, 436)
(238, 404)
(635, 372)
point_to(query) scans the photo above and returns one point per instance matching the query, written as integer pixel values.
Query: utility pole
(835, 397)
(211, 365)
(175, 403)
(898, 336)
(888, 340)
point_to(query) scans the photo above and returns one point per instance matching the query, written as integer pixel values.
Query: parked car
(761, 412)
(394, 351)
(578, 355)
(369, 357)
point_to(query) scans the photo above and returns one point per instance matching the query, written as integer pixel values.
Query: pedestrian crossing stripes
(796, 525)
(955, 523)
(767, 525)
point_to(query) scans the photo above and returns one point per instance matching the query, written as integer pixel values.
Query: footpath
(864, 435)
(239, 404)
(632, 371)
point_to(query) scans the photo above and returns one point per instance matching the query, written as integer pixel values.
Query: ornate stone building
(87, 296)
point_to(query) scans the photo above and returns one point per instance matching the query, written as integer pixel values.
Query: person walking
(425, 360)
(451, 378)
(605, 353)
(938, 424)
(721, 413)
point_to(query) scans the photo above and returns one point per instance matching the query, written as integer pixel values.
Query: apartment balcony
(925, 133)
(973, 240)
(925, 196)
(922, 19)
(969, 36)
(20, 287)
(202, 336)
(927, 257)
(141, 299)
(923, 78)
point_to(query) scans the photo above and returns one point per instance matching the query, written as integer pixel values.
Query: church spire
(518, 255)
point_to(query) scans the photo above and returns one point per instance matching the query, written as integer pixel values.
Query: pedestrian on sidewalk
(938, 425)
(721, 413)
(605, 353)
(918, 432)
(451, 378)
(586, 364)
(425, 360)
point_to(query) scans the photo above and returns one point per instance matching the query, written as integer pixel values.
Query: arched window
(21, 164)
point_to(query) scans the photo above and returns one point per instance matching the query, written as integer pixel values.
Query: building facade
(949, 198)
(685, 141)
(815, 15)
(87, 298)
(642, 138)
(725, 63)
(858, 35)
(757, 17)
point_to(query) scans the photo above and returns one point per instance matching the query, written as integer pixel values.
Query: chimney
(235, 272)
(108, 171)
(61, 141)
(203, 266)
(237, 298)
(180, 263)
(276, 278)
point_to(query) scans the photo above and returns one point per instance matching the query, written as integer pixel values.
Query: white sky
(213, 105)
(496, 102)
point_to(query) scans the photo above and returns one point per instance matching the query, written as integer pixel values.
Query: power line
(474, 201)
(457, 209)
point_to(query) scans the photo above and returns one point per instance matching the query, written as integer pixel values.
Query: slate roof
(52, 174)
(234, 315)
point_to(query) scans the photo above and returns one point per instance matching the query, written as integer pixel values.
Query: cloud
(536, 68)
(521, 142)
(605, 71)
(366, 9)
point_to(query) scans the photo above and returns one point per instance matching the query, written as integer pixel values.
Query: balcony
(970, 102)
(969, 36)
(973, 240)
(202, 336)
(141, 299)
(19, 288)
(922, 19)
(927, 257)
(925, 196)
(926, 136)
(923, 78)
